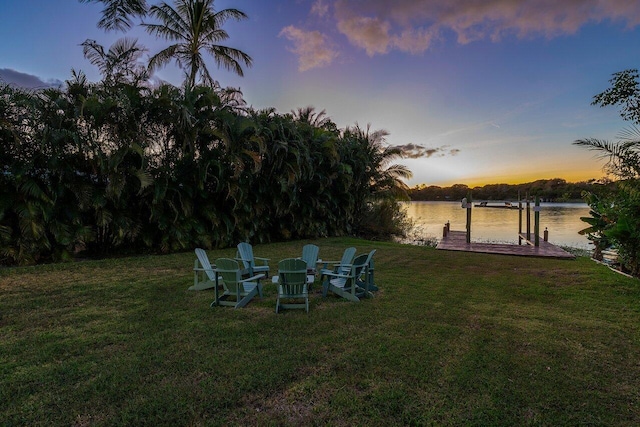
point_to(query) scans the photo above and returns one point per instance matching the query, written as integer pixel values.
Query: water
(501, 225)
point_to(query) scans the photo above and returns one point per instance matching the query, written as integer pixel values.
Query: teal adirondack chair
(242, 290)
(365, 278)
(370, 275)
(252, 265)
(310, 256)
(292, 284)
(344, 265)
(203, 273)
(344, 283)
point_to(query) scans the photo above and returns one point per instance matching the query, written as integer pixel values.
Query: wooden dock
(457, 241)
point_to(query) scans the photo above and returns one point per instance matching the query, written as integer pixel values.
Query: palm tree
(377, 183)
(623, 156)
(117, 14)
(195, 27)
(315, 119)
(383, 178)
(119, 63)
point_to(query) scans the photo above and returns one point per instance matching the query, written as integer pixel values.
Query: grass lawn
(450, 339)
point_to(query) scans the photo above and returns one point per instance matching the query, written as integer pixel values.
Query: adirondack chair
(346, 284)
(310, 256)
(370, 275)
(292, 284)
(242, 290)
(365, 279)
(252, 265)
(343, 266)
(203, 273)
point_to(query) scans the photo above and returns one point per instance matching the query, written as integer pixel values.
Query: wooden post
(546, 234)
(528, 219)
(536, 225)
(469, 204)
(519, 219)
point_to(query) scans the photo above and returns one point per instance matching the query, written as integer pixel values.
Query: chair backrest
(359, 265)
(310, 255)
(229, 269)
(245, 250)
(347, 258)
(362, 263)
(204, 262)
(292, 275)
(370, 270)
(370, 258)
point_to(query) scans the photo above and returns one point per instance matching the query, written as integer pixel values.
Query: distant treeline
(552, 190)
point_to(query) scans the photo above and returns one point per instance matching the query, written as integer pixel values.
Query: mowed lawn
(450, 339)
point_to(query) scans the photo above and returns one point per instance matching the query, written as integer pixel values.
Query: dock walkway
(457, 241)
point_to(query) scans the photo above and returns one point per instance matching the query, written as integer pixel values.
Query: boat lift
(467, 204)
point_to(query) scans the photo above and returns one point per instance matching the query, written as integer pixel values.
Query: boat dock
(457, 241)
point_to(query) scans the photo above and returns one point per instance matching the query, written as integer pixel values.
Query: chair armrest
(250, 279)
(337, 275)
(342, 265)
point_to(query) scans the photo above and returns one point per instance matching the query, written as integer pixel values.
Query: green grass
(450, 339)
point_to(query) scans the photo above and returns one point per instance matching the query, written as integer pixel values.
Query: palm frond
(117, 14)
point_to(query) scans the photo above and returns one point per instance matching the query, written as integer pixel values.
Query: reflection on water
(501, 225)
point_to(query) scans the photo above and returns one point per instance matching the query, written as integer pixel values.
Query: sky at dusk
(476, 92)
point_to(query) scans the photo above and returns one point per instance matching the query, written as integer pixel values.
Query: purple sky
(480, 91)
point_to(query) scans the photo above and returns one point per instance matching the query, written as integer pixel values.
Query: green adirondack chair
(310, 256)
(252, 265)
(292, 284)
(345, 284)
(237, 291)
(203, 273)
(343, 266)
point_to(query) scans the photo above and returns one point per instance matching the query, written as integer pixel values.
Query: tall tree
(196, 28)
(377, 182)
(382, 177)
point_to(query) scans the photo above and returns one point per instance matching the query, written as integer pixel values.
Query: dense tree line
(552, 190)
(101, 168)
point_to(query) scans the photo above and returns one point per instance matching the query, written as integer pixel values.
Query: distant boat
(505, 205)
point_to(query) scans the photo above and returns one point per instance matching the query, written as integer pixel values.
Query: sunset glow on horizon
(475, 92)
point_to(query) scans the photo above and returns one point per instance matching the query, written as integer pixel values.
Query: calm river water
(501, 225)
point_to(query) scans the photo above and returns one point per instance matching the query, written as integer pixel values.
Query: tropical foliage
(117, 166)
(122, 165)
(615, 215)
(118, 14)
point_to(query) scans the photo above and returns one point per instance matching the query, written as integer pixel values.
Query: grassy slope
(451, 339)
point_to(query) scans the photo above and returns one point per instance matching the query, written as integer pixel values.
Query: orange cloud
(411, 25)
(312, 47)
